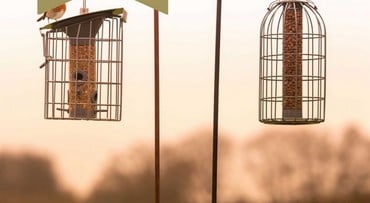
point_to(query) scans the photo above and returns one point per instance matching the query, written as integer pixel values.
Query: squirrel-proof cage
(83, 66)
(292, 76)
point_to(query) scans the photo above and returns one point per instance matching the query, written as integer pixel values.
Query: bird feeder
(292, 81)
(83, 66)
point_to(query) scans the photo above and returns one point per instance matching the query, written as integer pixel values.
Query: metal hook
(47, 59)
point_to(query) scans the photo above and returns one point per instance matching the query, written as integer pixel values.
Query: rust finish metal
(84, 67)
(292, 76)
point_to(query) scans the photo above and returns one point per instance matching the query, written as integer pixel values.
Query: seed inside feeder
(292, 62)
(82, 81)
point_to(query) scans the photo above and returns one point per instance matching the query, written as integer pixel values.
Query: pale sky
(81, 148)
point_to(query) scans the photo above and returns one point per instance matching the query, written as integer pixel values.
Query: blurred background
(276, 165)
(93, 162)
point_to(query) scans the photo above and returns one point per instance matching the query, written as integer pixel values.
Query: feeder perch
(292, 81)
(83, 66)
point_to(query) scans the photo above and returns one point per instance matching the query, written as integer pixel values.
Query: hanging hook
(45, 51)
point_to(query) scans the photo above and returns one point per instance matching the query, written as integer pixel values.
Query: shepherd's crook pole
(215, 106)
(156, 103)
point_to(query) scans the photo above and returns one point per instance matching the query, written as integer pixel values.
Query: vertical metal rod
(84, 10)
(216, 103)
(156, 103)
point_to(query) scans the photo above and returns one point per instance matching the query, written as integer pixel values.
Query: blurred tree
(285, 164)
(29, 179)
(303, 166)
(185, 173)
(353, 169)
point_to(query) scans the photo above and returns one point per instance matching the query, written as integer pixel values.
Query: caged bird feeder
(83, 66)
(292, 81)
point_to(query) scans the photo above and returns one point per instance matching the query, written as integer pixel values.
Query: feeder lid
(117, 12)
(309, 2)
(282, 1)
(293, 0)
(276, 2)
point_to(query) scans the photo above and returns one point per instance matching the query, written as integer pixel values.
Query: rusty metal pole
(216, 102)
(156, 104)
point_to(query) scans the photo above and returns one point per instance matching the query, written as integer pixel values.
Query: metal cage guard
(292, 64)
(83, 68)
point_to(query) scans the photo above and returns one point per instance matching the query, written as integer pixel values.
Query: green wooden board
(45, 5)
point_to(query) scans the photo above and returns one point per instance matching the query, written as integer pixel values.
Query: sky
(80, 149)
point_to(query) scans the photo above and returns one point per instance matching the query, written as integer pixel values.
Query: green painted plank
(159, 5)
(45, 5)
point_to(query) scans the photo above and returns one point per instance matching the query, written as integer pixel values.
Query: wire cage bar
(292, 77)
(84, 67)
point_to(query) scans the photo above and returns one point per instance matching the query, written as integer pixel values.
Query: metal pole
(84, 10)
(216, 103)
(156, 104)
